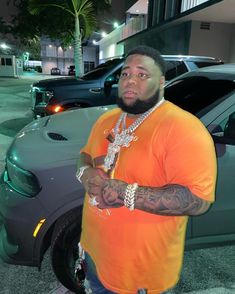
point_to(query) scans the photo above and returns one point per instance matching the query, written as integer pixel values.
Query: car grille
(56, 137)
(38, 97)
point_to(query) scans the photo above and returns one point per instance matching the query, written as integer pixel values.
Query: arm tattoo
(169, 200)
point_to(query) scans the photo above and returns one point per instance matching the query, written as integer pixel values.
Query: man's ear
(162, 82)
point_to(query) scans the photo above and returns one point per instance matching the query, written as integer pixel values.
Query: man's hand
(91, 173)
(107, 192)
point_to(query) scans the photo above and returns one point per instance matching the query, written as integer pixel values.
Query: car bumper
(18, 218)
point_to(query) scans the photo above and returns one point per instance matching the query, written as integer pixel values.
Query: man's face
(140, 80)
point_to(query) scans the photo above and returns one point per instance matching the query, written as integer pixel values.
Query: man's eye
(142, 76)
(123, 75)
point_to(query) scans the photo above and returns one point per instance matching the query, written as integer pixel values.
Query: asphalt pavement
(205, 271)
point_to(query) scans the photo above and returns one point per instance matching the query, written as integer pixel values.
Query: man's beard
(139, 106)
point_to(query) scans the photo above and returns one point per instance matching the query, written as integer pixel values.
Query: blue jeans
(92, 283)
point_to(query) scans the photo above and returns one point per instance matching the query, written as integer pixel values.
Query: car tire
(66, 263)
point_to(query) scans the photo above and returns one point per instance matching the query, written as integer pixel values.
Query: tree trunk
(78, 60)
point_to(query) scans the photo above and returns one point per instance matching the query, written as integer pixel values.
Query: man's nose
(132, 78)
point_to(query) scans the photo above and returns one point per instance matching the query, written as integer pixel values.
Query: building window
(8, 61)
(165, 9)
(51, 51)
(88, 66)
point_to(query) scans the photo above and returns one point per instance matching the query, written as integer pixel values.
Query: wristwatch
(80, 172)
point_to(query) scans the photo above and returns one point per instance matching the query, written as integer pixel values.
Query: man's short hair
(150, 52)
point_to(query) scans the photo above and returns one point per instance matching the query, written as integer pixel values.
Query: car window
(224, 131)
(206, 63)
(101, 70)
(196, 93)
(174, 69)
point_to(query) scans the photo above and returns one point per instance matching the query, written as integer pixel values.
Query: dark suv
(99, 86)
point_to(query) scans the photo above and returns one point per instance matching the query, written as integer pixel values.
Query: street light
(103, 34)
(116, 25)
(4, 46)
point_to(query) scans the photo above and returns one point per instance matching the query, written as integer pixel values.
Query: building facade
(54, 56)
(190, 27)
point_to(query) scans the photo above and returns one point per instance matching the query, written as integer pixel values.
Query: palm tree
(84, 16)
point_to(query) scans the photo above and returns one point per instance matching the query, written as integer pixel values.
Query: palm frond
(37, 6)
(88, 18)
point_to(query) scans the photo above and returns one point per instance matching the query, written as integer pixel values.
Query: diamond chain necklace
(126, 136)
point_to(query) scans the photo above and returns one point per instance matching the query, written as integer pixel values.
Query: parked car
(55, 71)
(99, 86)
(41, 199)
(71, 70)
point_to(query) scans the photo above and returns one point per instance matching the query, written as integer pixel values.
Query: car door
(219, 222)
(111, 86)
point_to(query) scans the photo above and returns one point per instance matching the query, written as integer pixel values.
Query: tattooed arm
(170, 200)
(167, 200)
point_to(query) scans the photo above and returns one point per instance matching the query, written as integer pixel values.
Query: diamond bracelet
(129, 198)
(80, 172)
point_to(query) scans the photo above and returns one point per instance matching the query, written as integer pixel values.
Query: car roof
(191, 58)
(222, 68)
(197, 58)
(223, 71)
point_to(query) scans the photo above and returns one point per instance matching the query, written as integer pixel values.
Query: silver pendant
(121, 140)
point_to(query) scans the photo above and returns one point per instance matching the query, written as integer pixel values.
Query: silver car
(41, 200)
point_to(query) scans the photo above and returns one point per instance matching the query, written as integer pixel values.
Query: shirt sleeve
(91, 138)
(191, 159)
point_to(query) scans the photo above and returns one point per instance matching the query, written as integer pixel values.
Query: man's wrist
(80, 172)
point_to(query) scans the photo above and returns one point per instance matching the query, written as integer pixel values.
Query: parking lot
(209, 270)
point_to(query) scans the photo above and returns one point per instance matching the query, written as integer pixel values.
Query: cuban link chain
(126, 136)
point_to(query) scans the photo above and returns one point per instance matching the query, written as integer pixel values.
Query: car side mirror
(220, 138)
(109, 82)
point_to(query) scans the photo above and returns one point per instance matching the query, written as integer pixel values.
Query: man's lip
(129, 93)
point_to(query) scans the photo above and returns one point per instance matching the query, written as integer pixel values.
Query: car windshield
(196, 93)
(101, 70)
(96, 73)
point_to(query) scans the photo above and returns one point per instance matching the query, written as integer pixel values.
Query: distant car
(71, 70)
(55, 71)
(41, 199)
(99, 86)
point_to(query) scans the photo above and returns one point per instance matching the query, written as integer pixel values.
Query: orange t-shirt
(136, 249)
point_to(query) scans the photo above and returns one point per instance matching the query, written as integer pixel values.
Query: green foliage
(67, 21)
(55, 23)
(4, 28)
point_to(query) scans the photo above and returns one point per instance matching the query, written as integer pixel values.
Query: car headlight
(20, 180)
(41, 95)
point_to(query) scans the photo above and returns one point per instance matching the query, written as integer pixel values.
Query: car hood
(53, 140)
(61, 82)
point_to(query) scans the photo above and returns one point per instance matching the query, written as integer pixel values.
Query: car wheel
(66, 253)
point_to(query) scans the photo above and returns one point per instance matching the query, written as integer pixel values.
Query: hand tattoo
(113, 192)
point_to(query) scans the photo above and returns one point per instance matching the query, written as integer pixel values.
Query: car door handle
(95, 90)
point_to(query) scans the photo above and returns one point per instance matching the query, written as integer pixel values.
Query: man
(146, 167)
